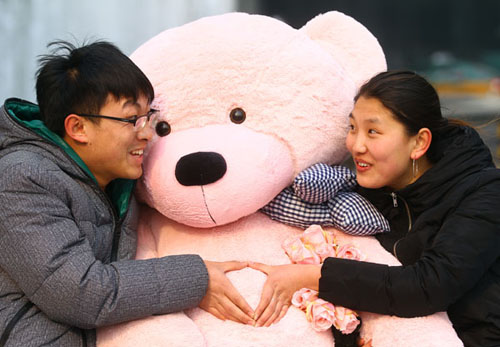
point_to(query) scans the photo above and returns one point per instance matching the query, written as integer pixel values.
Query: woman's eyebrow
(369, 120)
(372, 120)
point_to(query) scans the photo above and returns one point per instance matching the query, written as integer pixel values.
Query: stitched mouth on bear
(200, 169)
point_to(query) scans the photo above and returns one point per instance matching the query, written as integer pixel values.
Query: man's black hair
(80, 79)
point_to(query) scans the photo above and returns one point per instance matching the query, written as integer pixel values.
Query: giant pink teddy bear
(250, 102)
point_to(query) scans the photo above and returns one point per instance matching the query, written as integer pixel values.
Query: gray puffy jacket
(65, 245)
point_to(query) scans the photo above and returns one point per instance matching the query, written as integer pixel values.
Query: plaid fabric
(355, 215)
(344, 210)
(288, 208)
(321, 182)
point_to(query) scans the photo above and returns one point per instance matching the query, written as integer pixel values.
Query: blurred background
(454, 43)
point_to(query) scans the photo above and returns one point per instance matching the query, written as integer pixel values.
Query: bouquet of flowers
(313, 246)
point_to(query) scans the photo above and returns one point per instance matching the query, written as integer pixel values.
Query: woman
(434, 180)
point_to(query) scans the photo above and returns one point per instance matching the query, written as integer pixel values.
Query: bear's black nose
(200, 168)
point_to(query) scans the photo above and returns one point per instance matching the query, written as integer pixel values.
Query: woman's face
(379, 145)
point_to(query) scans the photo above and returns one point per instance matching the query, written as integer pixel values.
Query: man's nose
(146, 133)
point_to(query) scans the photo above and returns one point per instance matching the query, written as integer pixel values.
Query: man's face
(115, 149)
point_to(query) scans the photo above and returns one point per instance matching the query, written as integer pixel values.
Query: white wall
(26, 26)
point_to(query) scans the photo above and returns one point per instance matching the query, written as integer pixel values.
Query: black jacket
(445, 230)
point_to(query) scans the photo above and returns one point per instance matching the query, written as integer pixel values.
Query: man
(68, 216)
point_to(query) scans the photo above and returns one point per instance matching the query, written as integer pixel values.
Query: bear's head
(246, 103)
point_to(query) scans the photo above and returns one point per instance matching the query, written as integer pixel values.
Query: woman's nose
(358, 144)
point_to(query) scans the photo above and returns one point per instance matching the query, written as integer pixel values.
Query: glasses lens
(153, 120)
(150, 118)
(140, 123)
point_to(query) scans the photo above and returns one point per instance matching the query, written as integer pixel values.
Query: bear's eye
(163, 128)
(237, 115)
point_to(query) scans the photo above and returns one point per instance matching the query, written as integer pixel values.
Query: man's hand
(282, 282)
(222, 299)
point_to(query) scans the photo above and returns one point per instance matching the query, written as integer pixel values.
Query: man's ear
(422, 143)
(74, 125)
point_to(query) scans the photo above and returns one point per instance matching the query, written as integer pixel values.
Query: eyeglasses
(139, 122)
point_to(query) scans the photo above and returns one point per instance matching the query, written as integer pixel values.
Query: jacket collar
(461, 153)
(27, 114)
(20, 124)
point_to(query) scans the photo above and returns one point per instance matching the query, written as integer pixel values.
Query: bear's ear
(349, 42)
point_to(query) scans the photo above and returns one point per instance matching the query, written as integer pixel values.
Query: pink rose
(345, 320)
(324, 251)
(291, 244)
(329, 237)
(303, 296)
(349, 252)
(307, 256)
(314, 236)
(313, 247)
(300, 253)
(321, 314)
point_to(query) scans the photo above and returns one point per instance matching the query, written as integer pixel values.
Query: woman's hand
(222, 299)
(282, 282)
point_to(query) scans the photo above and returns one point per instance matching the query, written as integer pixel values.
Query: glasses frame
(151, 114)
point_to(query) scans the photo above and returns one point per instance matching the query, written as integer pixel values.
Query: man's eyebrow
(131, 103)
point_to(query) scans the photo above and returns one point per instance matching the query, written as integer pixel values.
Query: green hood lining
(28, 115)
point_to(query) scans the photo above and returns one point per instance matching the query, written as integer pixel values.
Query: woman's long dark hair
(413, 101)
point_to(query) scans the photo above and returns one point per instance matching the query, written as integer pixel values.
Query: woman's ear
(422, 142)
(74, 126)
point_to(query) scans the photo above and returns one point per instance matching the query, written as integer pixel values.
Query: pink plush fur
(297, 89)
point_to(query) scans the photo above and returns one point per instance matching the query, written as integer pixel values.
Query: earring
(415, 168)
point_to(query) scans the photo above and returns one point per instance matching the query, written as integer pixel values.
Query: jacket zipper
(117, 230)
(115, 219)
(394, 199)
(17, 317)
(12, 323)
(407, 208)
